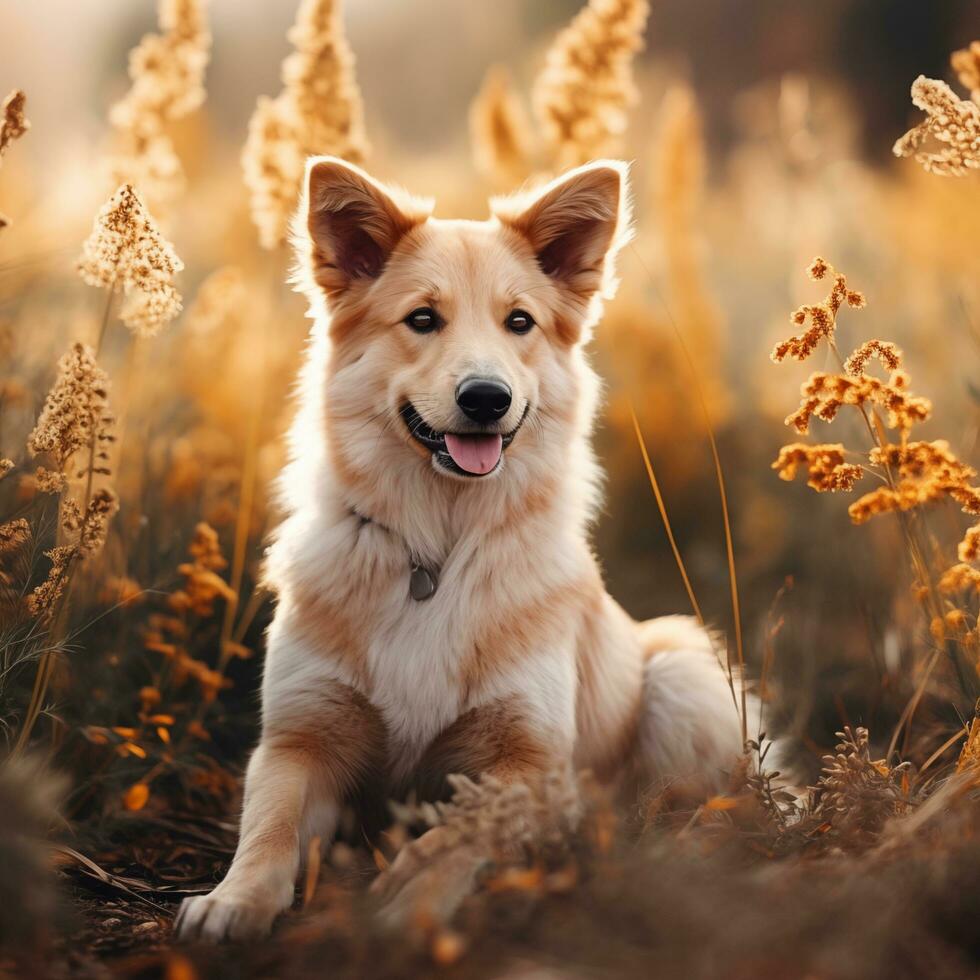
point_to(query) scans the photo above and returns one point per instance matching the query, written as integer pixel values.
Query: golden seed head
(818, 268)
(40, 603)
(500, 130)
(826, 467)
(969, 547)
(822, 317)
(126, 251)
(167, 83)
(95, 524)
(13, 122)
(50, 481)
(76, 411)
(583, 94)
(219, 297)
(966, 64)
(318, 111)
(272, 162)
(885, 351)
(14, 535)
(948, 141)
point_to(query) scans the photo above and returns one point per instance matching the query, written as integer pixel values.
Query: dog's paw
(226, 914)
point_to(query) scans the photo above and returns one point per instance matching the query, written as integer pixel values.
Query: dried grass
(500, 131)
(912, 474)
(583, 94)
(13, 125)
(131, 668)
(318, 111)
(166, 71)
(127, 252)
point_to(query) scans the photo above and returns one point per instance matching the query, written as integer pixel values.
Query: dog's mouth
(463, 453)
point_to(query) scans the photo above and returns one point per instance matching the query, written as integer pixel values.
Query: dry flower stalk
(168, 633)
(913, 473)
(202, 588)
(167, 72)
(126, 252)
(825, 465)
(966, 64)
(823, 395)
(969, 758)
(319, 110)
(583, 94)
(678, 195)
(819, 318)
(969, 549)
(948, 141)
(14, 535)
(500, 131)
(218, 297)
(859, 794)
(75, 421)
(13, 125)
(75, 414)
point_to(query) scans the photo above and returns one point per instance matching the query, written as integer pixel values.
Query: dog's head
(455, 344)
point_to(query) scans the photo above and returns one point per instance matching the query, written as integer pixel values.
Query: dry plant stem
(247, 491)
(246, 500)
(57, 618)
(769, 646)
(132, 376)
(904, 722)
(56, 628)
(46, 661)
(661, 506)
(916, 553)
(949, 743)
(730, 552)
(723, 494)
(104, 325)
(255, 601)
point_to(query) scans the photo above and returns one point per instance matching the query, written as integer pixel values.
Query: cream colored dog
(439, 606)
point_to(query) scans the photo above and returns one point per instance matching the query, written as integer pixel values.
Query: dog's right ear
(354, 222)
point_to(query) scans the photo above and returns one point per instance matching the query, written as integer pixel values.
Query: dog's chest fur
(414, 661)
(421, 664)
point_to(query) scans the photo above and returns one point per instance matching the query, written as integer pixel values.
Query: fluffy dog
(440, 609)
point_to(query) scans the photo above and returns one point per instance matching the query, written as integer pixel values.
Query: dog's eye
(423, 320)
(519, 321)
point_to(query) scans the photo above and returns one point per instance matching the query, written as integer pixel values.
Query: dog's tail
(691, 726)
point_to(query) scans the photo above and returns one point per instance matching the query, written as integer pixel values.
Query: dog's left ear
(575, 225)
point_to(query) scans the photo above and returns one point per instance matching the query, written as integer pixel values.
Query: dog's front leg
(296, 783)
(279, 793)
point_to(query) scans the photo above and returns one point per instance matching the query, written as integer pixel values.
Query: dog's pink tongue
(475, 454)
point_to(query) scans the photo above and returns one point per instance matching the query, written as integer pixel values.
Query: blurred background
(761, 137)
(420, 64)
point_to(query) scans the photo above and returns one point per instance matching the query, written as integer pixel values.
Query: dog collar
(423, 581)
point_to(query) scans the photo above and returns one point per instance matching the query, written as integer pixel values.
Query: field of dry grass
(148, 338)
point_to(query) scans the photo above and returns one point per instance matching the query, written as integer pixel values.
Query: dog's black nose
(483, 399)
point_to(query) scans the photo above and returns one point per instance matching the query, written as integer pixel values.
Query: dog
(439, 608)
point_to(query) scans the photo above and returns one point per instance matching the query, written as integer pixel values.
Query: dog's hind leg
(690, 726)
